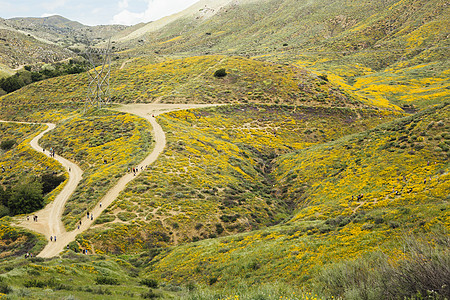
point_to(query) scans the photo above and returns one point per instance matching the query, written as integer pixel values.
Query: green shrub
(425, 269)
(150, 282)
(150, 295)
(7, 144)
(106, 280)
(4, 287)
(220, 73)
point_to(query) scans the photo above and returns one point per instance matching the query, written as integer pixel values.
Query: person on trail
(92, 217)
(54, 239)
(87, 215)
(51, 238)
(100, 204)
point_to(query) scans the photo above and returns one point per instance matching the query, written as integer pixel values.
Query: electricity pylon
(99, 75)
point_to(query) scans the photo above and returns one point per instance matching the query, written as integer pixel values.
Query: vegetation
(214, 177)
(116, 142)
(27, 76)
(325, 175)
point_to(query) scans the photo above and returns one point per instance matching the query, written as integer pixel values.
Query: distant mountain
(62, 31)
(27, 41)
(18, 49)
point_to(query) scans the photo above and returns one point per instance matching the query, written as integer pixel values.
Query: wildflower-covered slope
(189, 80)
(404, 183)
(388, 51)
(214, 178)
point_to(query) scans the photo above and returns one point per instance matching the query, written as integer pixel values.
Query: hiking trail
(49, 219)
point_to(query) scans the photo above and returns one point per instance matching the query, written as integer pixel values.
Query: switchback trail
(49, 219)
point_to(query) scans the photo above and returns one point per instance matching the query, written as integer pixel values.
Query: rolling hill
(322, 173)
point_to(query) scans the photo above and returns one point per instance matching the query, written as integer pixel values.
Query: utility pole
(99, 76)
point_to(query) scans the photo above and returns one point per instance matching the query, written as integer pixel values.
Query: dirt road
(49, 219)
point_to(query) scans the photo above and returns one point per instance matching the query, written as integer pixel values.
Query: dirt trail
(49, 219)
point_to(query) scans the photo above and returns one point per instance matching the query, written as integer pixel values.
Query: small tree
(26, 198)
(220, 73)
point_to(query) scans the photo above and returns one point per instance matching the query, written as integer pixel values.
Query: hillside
(62, 31)
(214, 177)
(372, 47)
(191, 80)
(18, 49)
(31, 41)
(328, 226)
(320, 172)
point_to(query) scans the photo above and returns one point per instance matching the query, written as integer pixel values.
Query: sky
(95, 12)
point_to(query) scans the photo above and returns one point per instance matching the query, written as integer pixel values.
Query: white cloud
(156, 9)
(126, 17)
(45, 15)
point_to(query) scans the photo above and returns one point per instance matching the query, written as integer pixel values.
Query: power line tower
(99, 75)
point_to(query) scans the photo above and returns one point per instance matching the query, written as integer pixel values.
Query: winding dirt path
(49, 219)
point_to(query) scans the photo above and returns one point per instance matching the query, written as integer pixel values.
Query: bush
(149, 295)
(426, 269)
(220, 73)
(150, 282)
(50, 181)
(26, 198)
(7, 144)
(34, 283)
(106, 280)
(4, 287)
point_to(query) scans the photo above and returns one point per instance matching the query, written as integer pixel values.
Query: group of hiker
(398, 192)
(35, 218)
(52, 152)
(135, 170)
(4, 170)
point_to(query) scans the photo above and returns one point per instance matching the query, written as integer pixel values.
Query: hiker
(100, 204)
(51, 238)
(54, 239)
(87, 215)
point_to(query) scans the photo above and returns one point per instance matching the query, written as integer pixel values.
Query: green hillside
(322, 173)
(214, 178)
(372, 47)
(327, 225)
(189, 80)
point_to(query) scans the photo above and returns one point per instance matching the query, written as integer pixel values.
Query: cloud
(126, 17)
(156, 9)
(45, 15)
